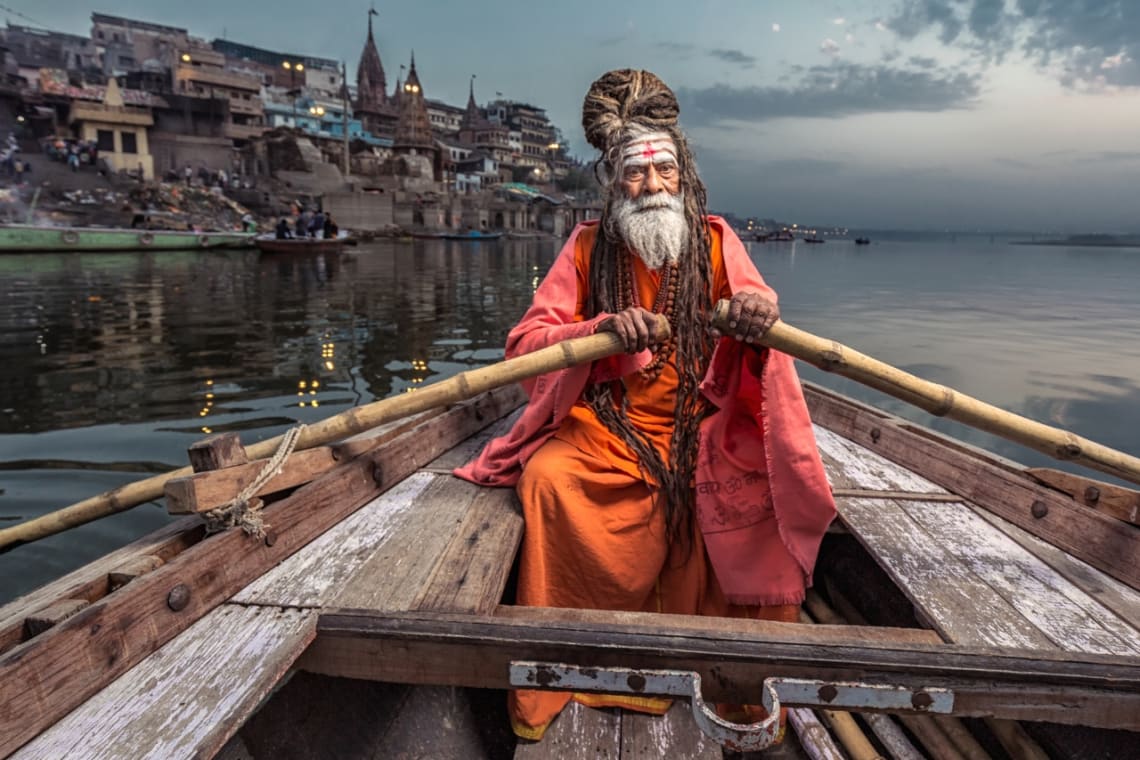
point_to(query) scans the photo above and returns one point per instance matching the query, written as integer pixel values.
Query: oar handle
(458, 388)
(939, 400)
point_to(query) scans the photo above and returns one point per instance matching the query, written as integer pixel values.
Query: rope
(245, 510)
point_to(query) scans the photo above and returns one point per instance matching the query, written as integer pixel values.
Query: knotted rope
(244, 510)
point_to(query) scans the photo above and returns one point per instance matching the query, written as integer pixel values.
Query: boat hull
(18, 238)
(299, 245)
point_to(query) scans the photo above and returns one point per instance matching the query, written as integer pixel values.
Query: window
(105, 140)
(130, 142)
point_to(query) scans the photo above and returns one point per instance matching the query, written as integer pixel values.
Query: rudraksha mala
(663, 304)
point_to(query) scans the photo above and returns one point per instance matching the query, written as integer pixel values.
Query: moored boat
(953, 584)
(472, 235)
(33, 238)
(269, 244)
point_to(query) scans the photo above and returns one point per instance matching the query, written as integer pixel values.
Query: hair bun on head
(622, 98)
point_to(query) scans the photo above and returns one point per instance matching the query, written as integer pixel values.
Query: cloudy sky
(988, 114)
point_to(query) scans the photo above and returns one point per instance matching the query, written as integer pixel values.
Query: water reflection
(130, 358)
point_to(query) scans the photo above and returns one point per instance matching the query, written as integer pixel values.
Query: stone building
(376, 111)
(119, 130)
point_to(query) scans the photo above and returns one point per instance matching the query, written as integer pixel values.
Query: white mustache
(658, 200)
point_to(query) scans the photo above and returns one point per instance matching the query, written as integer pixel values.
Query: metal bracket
(740, 737)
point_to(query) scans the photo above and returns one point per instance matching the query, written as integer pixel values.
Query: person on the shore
(188, 174)
(679, 477)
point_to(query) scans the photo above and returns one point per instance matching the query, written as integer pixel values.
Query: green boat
(28, 238)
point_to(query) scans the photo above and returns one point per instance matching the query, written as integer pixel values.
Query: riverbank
(1094, 241)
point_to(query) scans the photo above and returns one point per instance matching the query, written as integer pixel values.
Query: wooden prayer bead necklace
(662, 304)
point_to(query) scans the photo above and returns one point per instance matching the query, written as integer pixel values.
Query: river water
(112, 364)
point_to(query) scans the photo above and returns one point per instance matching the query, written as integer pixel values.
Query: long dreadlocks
(620, 105)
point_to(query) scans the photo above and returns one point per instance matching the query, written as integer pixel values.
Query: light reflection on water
(130, 358)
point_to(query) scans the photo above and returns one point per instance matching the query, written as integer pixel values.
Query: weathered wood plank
(1104, 542)
(91, 582)
(53, 615)
(674, 734)
(317, 573)
(398, 568)
(208, 490)
(467, 450)
(853, 466)
(953, 600)
(39, 682)
(128, 571)
(578, 731)
(216, 452)
(186, 699)
(1121, 503)
(715, 626)
(1070, 618)
(1122, 600)
(472, 570)
(475, 650)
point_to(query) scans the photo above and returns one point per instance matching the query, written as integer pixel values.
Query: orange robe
(595, 539)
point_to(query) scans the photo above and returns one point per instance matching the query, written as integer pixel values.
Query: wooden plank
(209, 490)
(128, 571)
(398, 568)
(577, 732)
(953, 600)
(317, 573)
(674, 734)
(472, 570)
(216, 452)
(1122, 600)
(186, 699)
(467, 450)
(853, 466)
(39, 682)
(1071, 619)
(1121, 503)
(475, 650)
(713, 626)
(1104, 542)
(52, 615)
(92, 581)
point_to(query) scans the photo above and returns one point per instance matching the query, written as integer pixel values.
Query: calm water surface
(111, 365)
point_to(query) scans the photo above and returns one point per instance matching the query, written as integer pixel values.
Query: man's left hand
(750, 315)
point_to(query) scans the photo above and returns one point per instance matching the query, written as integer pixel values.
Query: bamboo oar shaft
(461, 387)
(941, 401)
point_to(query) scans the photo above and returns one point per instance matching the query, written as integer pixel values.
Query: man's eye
(634, 174)
(667, 170)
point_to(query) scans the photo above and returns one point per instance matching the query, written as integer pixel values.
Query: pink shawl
(761, 409)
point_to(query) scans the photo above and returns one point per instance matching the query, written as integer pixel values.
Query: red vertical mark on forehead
(647, 151)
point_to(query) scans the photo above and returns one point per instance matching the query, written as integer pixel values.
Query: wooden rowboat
(374, 617)
(300, 245)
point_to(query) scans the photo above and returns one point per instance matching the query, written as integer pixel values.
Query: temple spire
(371, 84)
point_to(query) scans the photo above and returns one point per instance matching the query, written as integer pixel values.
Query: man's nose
(653, 183)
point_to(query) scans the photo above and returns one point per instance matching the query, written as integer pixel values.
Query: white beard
(654, 227)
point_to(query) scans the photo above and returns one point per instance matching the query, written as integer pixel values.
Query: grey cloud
(1090, 43)
(734, 56)
(922, 62)
(1117, 155)
(1013, 163)
(613, 41)
(833, 91)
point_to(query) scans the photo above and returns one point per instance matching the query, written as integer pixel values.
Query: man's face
(650, 166)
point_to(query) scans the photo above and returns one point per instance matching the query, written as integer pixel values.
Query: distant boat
(35, 238)
(302, 244)
(862, 241)
(782, 237)
(473, 235)
(761, 237)
(814, 239)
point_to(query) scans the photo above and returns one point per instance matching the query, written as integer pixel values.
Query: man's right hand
(638, 328)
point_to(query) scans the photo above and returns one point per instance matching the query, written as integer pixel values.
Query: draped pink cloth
(758, 465)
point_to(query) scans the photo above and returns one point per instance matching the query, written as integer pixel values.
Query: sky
(918, 114)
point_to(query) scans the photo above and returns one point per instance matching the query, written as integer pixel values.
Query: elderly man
(682, 476)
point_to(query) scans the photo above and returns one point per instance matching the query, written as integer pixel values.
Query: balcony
(243, 131)
(187, 76)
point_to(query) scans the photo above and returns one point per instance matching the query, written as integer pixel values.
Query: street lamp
(186, 58)
(319, 112)
(553, 148)
(294, 69)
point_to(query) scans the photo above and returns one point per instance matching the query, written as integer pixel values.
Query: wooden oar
(940, 400)
(463, 386)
